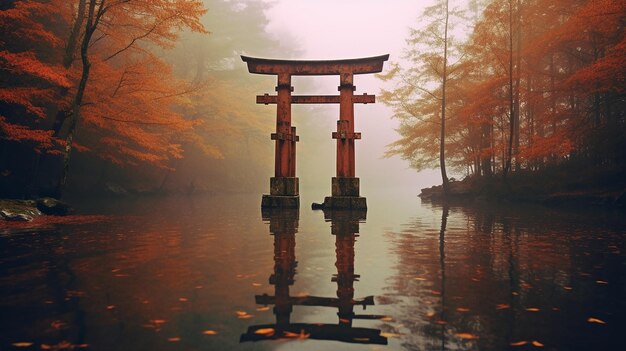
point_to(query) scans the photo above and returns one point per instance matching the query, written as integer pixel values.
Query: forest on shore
(528, 100)
(117, 97)
(112, 97)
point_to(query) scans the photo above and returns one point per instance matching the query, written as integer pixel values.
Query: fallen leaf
(537, 343)
(158, 321)
(241, 313)
(209, 332)
(182, 299)
(174, 339)
(265, 331)
(532, 309)
(502, 306)
(390, 335)
(420, 278)
(519, 343)
(467, 336)
(462, 309)
(595, 320)
(262, 309)
(302, 335)
(198, 286)
(22, 344)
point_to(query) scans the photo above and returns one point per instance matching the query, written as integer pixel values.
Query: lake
(215, 273)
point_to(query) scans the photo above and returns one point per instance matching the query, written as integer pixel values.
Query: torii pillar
(284, 185)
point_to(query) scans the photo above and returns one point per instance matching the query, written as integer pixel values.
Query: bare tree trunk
(517, 87)
(90, 27)
(442, 156)
(507, 165)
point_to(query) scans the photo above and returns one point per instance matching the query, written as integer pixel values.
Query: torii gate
(284, 191)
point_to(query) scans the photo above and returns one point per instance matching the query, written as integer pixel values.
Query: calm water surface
(214, 273)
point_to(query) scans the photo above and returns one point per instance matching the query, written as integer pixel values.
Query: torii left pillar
(284, 192)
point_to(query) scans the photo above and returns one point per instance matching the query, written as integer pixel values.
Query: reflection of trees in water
(39, 291)
(344, 226)
(502, 275)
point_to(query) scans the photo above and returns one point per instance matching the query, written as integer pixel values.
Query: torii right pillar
(345, 186)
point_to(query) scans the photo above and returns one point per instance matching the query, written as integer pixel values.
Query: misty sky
(328, 29)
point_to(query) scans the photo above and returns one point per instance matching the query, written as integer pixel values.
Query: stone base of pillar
(345, 186)
(345, 203)
(284, 186)
(345, 195)
(277, 201)
(284, 193)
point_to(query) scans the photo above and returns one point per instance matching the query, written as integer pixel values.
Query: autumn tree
(32, 75)
(421, 98)
(542, 87)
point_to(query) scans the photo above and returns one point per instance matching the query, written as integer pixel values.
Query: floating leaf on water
(174, 339)
(265, 331)
(241, 313)
(462, 309)
(467, 336)
(519, 343)
(209, 332)
(182, 299)
(532, 309)
(245, 316)
(537, 343)
(602, 282)
(263, 309)
(22, 344)
(502, 306)
(567, 288)
(302, 335)
(595, 320)
(390, 335)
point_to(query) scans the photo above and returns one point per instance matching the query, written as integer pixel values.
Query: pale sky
(333, 29)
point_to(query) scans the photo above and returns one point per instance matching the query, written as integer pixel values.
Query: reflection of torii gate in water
(344, 226)
(284, 191)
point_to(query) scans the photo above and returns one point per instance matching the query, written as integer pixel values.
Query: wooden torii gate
(284, 192)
